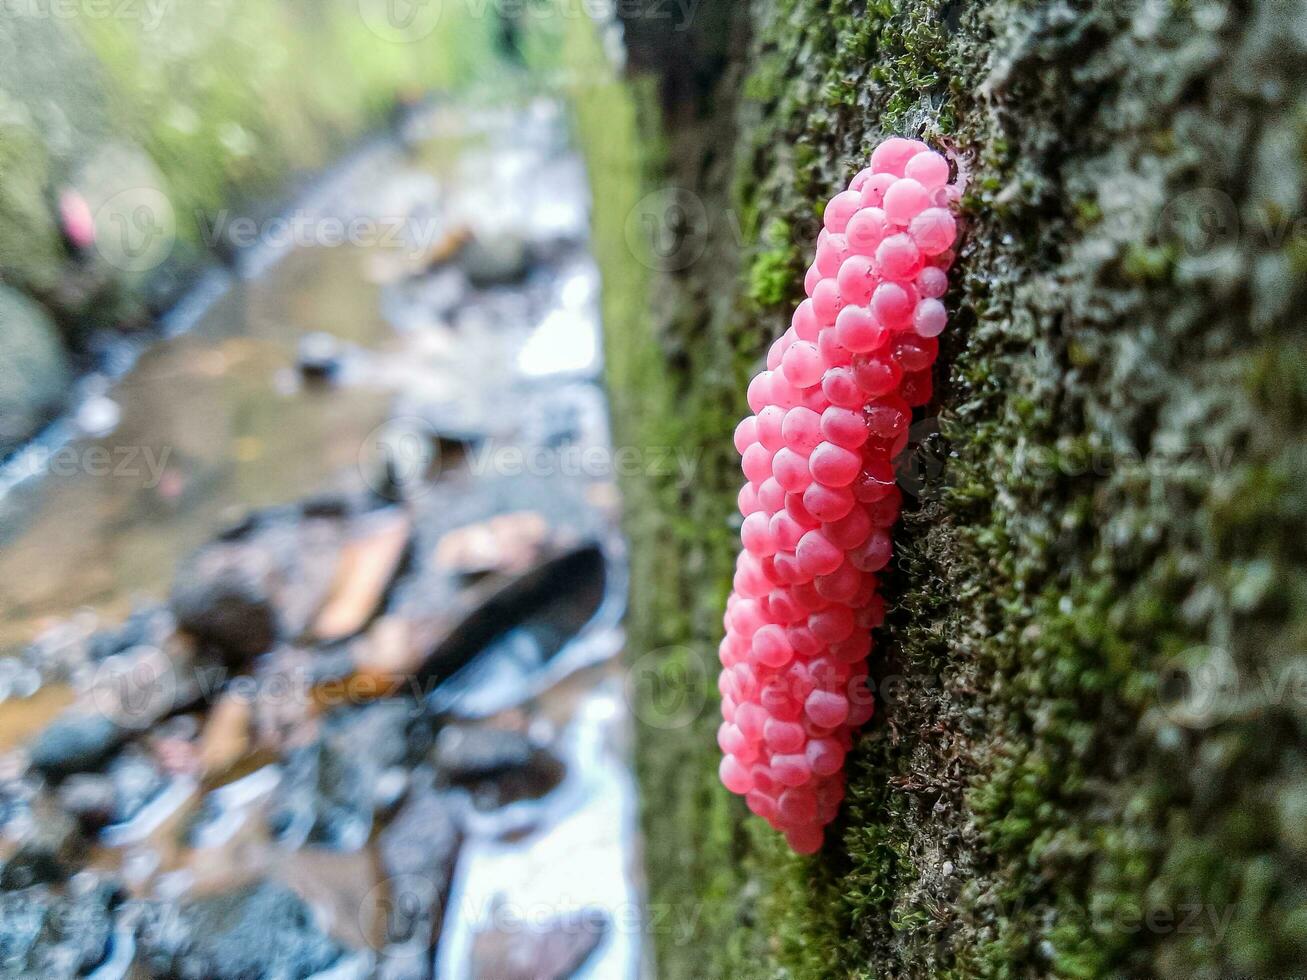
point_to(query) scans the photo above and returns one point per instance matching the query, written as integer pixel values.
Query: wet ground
(312, 614)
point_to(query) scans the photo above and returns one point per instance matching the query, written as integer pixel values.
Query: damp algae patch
(1087, 758)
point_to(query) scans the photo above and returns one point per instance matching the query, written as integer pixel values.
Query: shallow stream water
(461, 321)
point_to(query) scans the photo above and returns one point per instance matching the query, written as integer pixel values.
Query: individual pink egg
(929, 169)
(932, 282)
(873, 191)
(833, 353)
(838, 385)
(867, 229)
(784, 736)
(791, 769)
(898, 258)
(802, 364)
(791, 470)
(831, 254)
(828, 503)
(853, 649)
(875, 375)
(858, 331)
(756, 536)
(892, 304)
(747, 499)
(804, 322)
(785, 531)
(816, 555)
(856, 279)
(929, 319)
(771, 495)
(761, 804)
(746, 433)
(735, 777)
(811, 278)
(843, 426)
(802, 430)
(893, 154)
(768, 427)
(804, 840)
(904, 200)
(750, 718)
(875, 552)
(832, 624)
(915, 353)
(834, 466)
(758, 392)
(840, 209)
(827, 708)
(842, 585)
(770, 647)
(849, 531)
(826, 301)
(825, 756)
(933, 230)
(757, 462)
(797, 807)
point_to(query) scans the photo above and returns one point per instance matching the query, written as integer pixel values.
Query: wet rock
(59, 651)
(146, 684)
(136, 780)
(52, 936)
(96, 800)
(335, 785)
(225, 598)
(90, 798)
(419, 850)
(261, 580)
(47, 846)
(34, 373)
(262, 931)
(226, 736)
(551, 950)
(496, 765)
(318, 358)
(76, 741)
(147, 625)
(495, 260)
(367, 565)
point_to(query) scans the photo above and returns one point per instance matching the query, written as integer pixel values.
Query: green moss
(1080, 766)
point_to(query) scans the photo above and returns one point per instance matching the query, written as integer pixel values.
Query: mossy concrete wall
(1088, 758)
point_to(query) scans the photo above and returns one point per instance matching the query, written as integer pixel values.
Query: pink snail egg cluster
(830, 415)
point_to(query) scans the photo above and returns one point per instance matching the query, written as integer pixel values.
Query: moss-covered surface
(1089, 754)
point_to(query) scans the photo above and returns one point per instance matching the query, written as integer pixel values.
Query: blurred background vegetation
(224, 104)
